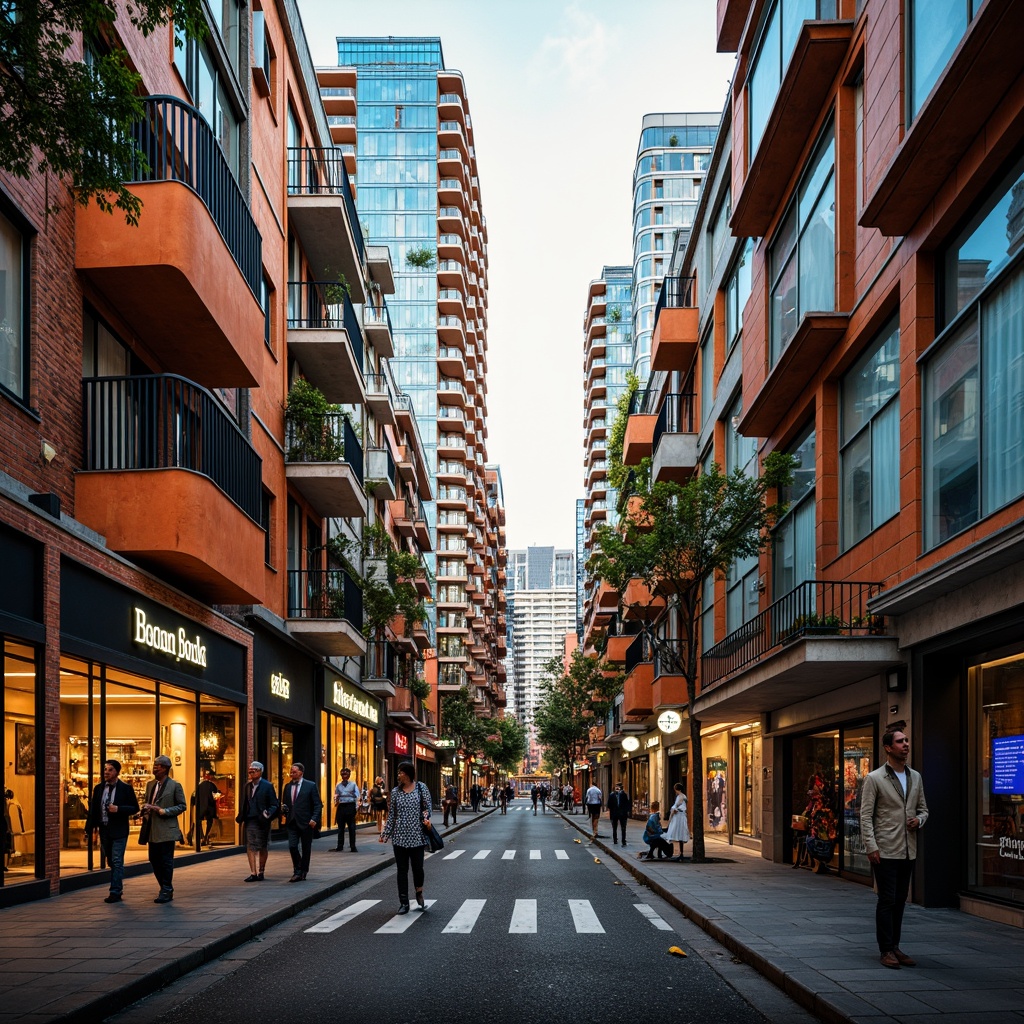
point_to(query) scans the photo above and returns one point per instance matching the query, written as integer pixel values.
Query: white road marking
(524, 918)
(561, 855)
(509, 855)
(481, 855)
(535, 855)
(584, 918)
(335, 921)
(402, 922)
(453, 855)
(465, 917)
(648, 912)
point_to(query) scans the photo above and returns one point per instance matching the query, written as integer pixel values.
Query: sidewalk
(74, 958)
(814, 937)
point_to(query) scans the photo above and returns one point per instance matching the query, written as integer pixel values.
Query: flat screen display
(1008, 764)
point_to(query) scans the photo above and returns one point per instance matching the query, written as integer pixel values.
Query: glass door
(859, 745)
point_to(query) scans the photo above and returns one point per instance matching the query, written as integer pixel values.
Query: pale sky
(557, 90)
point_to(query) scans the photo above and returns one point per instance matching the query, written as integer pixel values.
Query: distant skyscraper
(671, 160)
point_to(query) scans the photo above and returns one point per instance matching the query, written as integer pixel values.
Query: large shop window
(14, 277)
(21, 751)
(974, 446)
(802, 259)
(106, 713)
(347, 744)
(869, 438)
(935, 30)
(997, 861)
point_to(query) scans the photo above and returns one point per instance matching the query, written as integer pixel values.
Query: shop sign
(354, 702)
(652, 742)
(581, 766)
(630, 743)
(1012, 848)
(669, 721)
(423, 752)
(399, 743)
(279, 686)
(177, 645)
(446, 744)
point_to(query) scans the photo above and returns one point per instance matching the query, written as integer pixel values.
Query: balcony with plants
(323, 457)
(322, 210)
(187, 276)
(171, 482)
(325, 337)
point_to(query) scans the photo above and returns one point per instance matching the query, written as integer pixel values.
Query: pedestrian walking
(302, 806)
(594, 800)
(620, 807)
(204, 806)
(408, 813)
(259, 808)
(534, 797)
(378, 803)
(892, 812)
(475, 792)
(502, 799)
(544, 793)
(654, 833)
(568, 802)
(165, 800)
(346, 805)
(112, 806)
(678, 826)
(450, 804)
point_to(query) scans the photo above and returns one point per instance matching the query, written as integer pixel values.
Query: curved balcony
(324, 335)
(188, 276)
(171, 482)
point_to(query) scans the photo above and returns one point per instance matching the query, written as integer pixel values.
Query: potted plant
(309, 418)
(337, 291)
(421, 257)
(419, 688)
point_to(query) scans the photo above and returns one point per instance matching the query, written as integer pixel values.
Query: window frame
(22, 228)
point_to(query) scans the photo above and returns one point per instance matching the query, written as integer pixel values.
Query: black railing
(674, 417)
(638, 403)
(324, 305)
(381, 661)
(377, 316)
(326, 438)
(324, 594)
(639, 651)
(317, 172)
(167, 422)
(175, 143)
(676, 292)
(814, 608)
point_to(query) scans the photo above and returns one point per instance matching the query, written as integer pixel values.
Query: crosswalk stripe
(481, 855)
(402, 922)
(535, 855)
(648, 912)
(561, 855)
(335, 921)
(465, 917)
(584, 918)
(524, 918)
(508, 855)
(453, 854)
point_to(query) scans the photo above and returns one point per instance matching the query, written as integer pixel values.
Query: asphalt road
(524, 925)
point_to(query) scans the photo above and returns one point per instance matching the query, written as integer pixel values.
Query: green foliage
(617, 472)
(312, 438)
(73, 118)
(337, 291)
(419, 687)
(508, 751)
(571, 702)
(459, 722)
(422, 258)
(615, 315)
(388, 587)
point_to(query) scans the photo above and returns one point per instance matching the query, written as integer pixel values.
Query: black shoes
(295, 878)
(419, 901)
(251, 878)
(403, 908)
(114, 897)
(164, 897)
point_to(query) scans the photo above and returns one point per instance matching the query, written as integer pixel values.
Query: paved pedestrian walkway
(814, 937)
(74, 958)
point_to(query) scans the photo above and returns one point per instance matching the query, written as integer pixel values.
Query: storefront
(284, 695)
(138, 679)
(21, 638)
(350, 722)
(636, 772)
(732, 783)
(428, 771)
(399, 748)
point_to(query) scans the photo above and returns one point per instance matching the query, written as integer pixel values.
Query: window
(935, 30)
(737, 291)
(974, 383)
(742, 593)
(780, 30)
(103, 353)
(718, 233)
(793, 543)
(869, 439)
(263, 52)
(707, 615)
(707, 375)
(802, 259)
(266, 301)
(14, 278)
(266, 521)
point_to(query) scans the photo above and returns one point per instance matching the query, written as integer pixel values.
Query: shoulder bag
(432, 837)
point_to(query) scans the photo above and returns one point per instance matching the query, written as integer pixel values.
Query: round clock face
(669, 721)
(630, 743)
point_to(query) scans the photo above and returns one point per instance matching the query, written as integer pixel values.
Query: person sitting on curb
(653, 833)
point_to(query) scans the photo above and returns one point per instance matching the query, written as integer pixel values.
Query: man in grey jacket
(165, 801)
(892, 810)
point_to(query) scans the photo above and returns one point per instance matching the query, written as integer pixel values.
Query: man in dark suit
(301, 804)
(259, 808)
(112, 805)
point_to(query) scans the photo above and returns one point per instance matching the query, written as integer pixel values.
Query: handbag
(144, 831)
(432, 838)
(820, 849)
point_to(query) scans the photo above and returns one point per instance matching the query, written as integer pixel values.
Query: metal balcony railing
(377, 316)
(313, 171)
(324, 594)
(676, 292)
(166, 422)
(675, 417)
(174, 142)
(380, 661)
(813, 608)
(327, 438)
(639, 651)
(324, 305)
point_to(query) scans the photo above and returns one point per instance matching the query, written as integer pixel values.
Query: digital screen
(1008, 764)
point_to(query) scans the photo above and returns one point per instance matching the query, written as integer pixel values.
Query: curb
(813, 1002)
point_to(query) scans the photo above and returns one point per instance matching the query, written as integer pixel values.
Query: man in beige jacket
(892, 810)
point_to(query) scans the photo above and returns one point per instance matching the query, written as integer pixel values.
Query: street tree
(74, 118)
(459, 723)
(505, 745)
(571, 702)
(674, 539)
